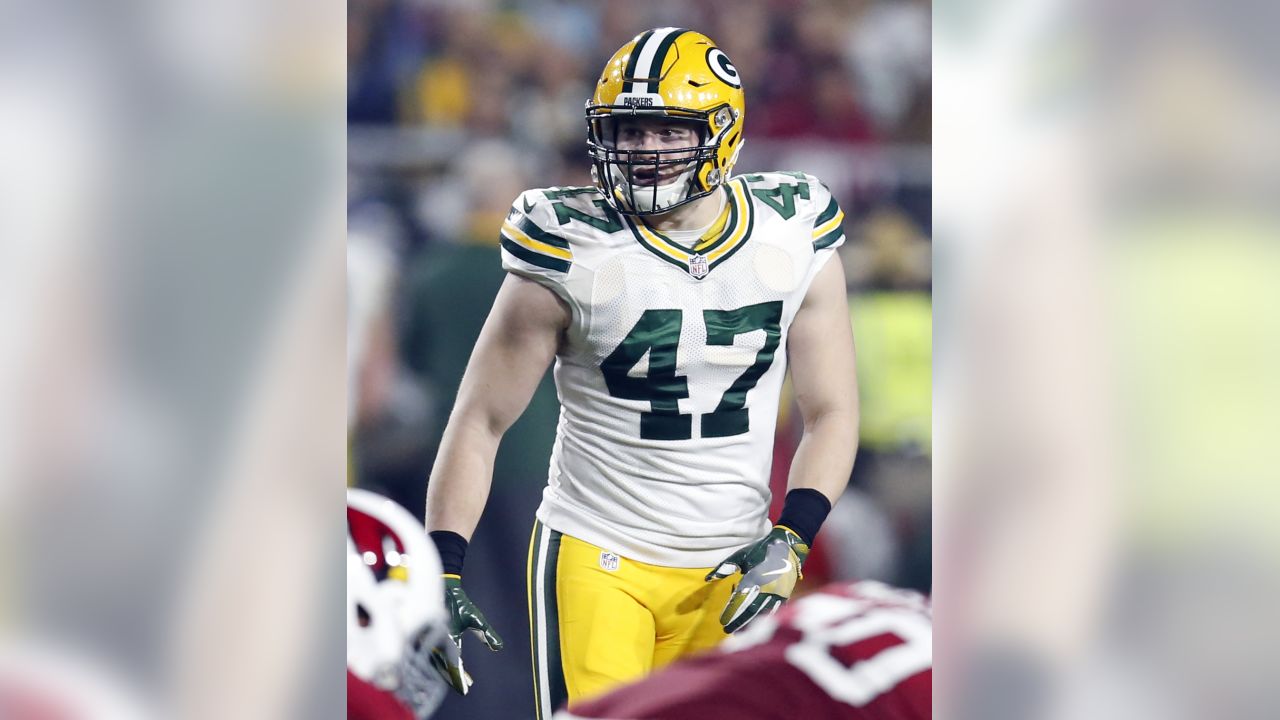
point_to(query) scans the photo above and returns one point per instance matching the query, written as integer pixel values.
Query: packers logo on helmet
(681, 78)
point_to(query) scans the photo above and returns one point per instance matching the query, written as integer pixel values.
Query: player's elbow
(836, 420)
(831, 409)
(477, 425)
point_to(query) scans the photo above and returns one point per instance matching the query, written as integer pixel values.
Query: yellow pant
(598, 620)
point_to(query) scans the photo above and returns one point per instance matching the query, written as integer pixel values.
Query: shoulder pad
(530, 241)
(828, 218)
(580, 213)
(802, 198)
(775, 179)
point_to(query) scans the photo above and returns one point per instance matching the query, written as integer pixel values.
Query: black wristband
(803, 512)
(452, 548)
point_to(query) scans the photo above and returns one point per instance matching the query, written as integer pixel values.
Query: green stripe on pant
(548, 671)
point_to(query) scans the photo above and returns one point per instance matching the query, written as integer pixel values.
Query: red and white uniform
(851, 651)
(366, 701)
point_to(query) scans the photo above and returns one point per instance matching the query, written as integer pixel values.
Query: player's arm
(820, 350)
(823, 376)
(517, 343)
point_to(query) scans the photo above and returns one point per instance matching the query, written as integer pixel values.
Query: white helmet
(395, 604)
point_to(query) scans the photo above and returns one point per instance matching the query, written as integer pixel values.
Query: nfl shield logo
(698, 266)
(609, 561)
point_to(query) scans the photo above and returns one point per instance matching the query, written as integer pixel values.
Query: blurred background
(173, 423)
(455, 108)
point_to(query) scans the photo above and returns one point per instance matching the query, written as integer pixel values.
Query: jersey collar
(728, 233)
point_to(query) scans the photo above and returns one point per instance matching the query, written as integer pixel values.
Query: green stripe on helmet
(629, 74)
(659, 57)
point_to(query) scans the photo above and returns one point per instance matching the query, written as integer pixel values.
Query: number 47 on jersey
(658, 333)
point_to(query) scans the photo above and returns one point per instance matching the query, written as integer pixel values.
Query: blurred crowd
(847, 70)
(456, 107)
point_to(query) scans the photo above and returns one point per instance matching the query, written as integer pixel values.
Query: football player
(854, 651)
(396, 621)
(671, 296)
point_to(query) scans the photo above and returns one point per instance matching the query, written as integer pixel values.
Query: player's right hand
(463, 616)
(770, 569)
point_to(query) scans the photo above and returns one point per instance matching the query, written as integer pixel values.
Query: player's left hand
(770, 568)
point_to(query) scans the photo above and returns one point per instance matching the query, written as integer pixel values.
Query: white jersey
(674, 360)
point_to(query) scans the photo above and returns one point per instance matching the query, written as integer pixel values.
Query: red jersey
(851, 651)
(366, 702)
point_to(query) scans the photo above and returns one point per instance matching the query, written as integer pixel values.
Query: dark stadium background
(455, 107)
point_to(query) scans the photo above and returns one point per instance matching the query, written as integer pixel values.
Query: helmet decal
(645, 67)
(720, 65)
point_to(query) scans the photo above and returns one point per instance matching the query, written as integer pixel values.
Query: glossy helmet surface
(395, 603)
(671, 73)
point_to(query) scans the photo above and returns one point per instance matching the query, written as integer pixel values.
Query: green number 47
(657, 332)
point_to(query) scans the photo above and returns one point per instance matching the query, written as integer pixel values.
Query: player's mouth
(649, 176)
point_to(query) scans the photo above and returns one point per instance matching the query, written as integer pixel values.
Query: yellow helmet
(677, 74)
